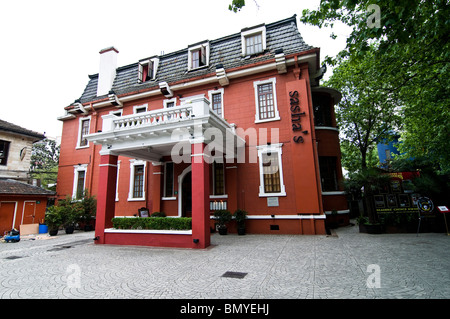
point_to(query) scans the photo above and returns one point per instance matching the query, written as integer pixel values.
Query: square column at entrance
(106, 196)
(201, 234)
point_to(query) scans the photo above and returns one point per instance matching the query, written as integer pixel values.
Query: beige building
(15, 150)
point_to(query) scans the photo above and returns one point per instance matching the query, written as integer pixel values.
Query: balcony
(152, 135)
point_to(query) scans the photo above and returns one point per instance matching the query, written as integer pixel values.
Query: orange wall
(7, 215)
(299, 160)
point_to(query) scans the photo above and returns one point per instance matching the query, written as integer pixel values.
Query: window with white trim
(83, 130)
(266, 101)
(168, 180)
(137, 180)
(117, 181)
(253, 40)
(271, 170)
(140, 108)
(147, 69)
(218, 178)
(79, 181)
(168, 104)
(216, 99)
(198, 55)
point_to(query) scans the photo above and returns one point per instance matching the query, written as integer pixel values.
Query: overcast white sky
(48, 48)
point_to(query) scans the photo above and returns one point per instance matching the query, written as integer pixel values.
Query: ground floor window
(79, 181)
(137, 180)
(270, 170)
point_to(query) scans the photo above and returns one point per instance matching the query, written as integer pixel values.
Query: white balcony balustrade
(150, 135)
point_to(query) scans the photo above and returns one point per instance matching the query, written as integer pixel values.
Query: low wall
(154, 238)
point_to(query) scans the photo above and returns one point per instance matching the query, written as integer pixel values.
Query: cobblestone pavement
(345, 266)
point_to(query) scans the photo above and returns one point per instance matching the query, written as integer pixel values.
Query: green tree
(44, 162)
(412, 55)
(365, 114)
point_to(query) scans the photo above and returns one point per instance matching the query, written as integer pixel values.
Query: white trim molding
(264, 149)
(134, 163)
(275, 105)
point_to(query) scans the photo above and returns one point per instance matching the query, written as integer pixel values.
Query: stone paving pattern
(277, 267)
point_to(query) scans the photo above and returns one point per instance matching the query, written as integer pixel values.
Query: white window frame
(275, 104)
(264, 149)
(210, 94)
(218, 160)
(134, 163)
(252, 32)
(165, 197)
(80, 128)
(76, 171)
(145, 64)
(203, 46)
(117, 181)
(136, 107)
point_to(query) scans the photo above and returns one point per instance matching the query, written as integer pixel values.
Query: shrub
(157, 223)
(158, 214)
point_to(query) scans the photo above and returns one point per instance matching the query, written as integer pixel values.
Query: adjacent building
(238, 122)
(20, 202)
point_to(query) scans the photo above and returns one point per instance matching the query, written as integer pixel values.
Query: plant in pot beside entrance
(70, 213)
(88, 209)
(53, 219)
(240, 216)
(222, 217)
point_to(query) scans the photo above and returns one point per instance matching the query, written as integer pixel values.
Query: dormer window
(198, 55)
(253, 40)
(147, 70)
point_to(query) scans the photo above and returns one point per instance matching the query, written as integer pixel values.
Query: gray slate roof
(13, 128)
(13, 187)
(227, 50)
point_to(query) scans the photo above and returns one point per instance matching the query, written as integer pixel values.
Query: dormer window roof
(147, 69)
(198, 55)
(253, 40)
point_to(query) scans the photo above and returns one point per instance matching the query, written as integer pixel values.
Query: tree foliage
(412, 57)
(44, 162)
(365, 114)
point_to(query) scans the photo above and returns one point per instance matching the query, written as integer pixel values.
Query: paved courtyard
(345, 265)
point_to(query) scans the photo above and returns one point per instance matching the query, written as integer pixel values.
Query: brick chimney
(107, 72)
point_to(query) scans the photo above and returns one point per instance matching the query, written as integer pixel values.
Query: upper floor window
(198, 55)
(253, 40)
(322, 110)
(216, 99)
(147, 69)
(328, 173)
(266, 101)
(140, 108)
(83, 131)
(4, 150)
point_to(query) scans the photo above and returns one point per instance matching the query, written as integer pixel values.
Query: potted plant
(240, 216)
(53, 219)
(70, 214)
(88, 208)
(223, 217)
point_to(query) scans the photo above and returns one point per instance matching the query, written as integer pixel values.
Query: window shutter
(140, 73)
(150, 70)
(203, 55)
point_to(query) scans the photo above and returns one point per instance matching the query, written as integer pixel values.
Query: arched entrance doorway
(186, 199)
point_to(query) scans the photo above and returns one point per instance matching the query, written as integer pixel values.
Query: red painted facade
(299, 210)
